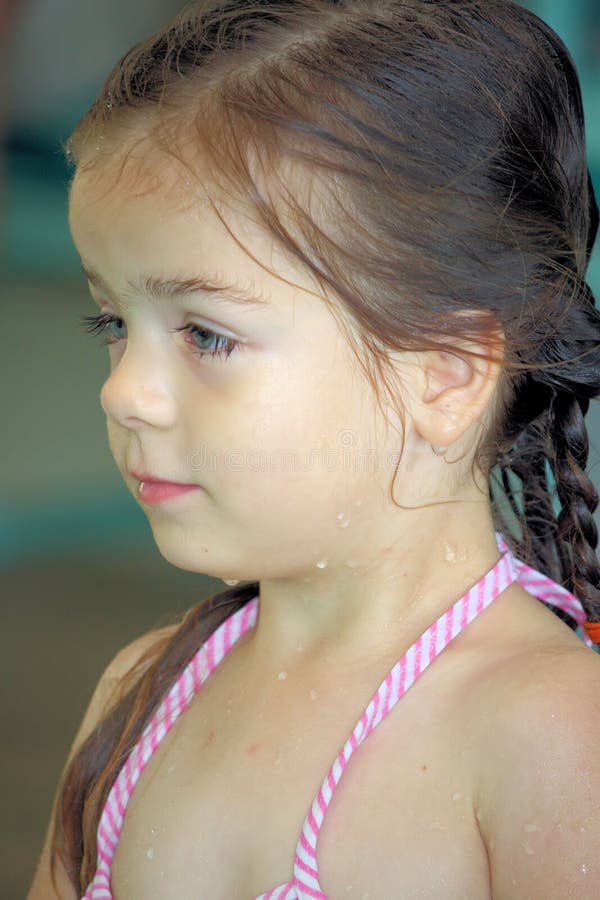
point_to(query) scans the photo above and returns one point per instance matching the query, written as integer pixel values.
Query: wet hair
(442, 143)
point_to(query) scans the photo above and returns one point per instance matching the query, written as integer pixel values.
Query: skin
(293, 383)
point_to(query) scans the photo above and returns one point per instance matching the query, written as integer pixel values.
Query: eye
(224, 345)
(102, 325)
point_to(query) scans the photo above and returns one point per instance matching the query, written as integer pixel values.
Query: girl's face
(279, 429)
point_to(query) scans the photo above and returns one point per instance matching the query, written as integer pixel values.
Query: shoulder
(136, 655)
(125, 660)
(132, 654)
(119, 666)
(538, 798)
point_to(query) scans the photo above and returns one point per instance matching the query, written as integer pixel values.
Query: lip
(152, 479)
(154, 490)
(161, 491)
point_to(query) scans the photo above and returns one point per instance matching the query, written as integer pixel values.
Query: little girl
(339, 251)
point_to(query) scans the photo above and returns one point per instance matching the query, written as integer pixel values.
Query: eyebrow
(158, 288)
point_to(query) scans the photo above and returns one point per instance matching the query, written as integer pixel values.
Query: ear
(451, 390)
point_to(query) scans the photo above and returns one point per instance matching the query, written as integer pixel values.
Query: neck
(370, 602)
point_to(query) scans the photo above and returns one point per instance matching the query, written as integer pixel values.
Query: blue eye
(102, 324)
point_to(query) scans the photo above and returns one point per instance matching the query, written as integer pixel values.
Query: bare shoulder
(132, 656)
(537, 799)
(120, 665)
(129, 656)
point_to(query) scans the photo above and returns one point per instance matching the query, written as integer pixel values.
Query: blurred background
(80, 575)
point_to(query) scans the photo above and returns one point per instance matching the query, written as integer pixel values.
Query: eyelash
(100, 325)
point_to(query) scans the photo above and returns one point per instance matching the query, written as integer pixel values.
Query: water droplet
(584, 868)
(231, 581)
(457, 795)
(531, 826)
(313, 694)
(345, 523)
(150, 853)
(322, 564)
(282, 676)
(340, 516)
(352, 563)
(449, 553)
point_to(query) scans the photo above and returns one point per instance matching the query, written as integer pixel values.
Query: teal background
(80, 575)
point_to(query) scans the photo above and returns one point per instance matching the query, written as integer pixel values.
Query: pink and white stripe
(175, 702)
(547, 590)
(305, 882)
(398, 681)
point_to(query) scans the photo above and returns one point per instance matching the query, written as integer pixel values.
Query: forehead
(156, 214)
(136, 177)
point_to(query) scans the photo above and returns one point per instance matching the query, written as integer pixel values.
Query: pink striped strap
(174, 703)
(399, 679)
(508, 570)
(548, 591)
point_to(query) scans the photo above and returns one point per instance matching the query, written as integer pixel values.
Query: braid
(577, 536)
(531, 501)
(560, 545)
(558, 535)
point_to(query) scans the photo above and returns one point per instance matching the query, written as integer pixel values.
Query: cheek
(293, 424)
(310, 463)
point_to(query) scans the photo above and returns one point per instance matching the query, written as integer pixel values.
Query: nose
(138, 391)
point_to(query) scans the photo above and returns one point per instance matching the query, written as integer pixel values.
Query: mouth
(153, 490)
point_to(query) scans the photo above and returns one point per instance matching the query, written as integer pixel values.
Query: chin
(192, 556)
(181, 553)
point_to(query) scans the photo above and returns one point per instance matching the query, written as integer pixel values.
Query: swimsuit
(304, 884)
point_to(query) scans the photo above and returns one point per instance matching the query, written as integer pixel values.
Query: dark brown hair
(446, 144)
